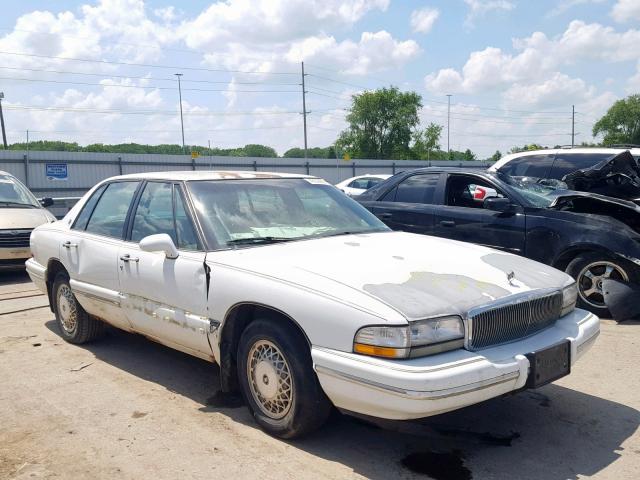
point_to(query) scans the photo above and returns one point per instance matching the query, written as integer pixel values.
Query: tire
(282, 408)
(75, 324)
(591, 267)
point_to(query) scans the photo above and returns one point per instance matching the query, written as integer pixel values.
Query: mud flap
(622, 299)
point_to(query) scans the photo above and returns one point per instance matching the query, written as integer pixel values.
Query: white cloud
(633, 84)
(626, 10)
(272, 21)
(478, 8)
(374, 52)
(537, 56)
(422, 20)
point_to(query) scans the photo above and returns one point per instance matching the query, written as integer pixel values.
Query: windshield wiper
(17, 204)
(258, 240)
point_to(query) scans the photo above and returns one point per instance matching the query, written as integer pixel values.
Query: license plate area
(549, 364)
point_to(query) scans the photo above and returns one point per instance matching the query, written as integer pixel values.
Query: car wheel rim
(590, 281)
(67, 309)
(270, 379)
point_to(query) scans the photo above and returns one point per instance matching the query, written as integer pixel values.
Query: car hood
(416, 275)
(623, 211)
(618, 176)
(23, 218)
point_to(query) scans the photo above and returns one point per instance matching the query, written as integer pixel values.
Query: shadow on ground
(551, 433)
(13, 277)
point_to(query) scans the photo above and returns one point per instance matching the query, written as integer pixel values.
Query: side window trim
(178, 191)
(128, 221)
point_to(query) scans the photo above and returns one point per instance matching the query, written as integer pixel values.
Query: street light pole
(4, 135)
(448, 123)
(304, 111)
(181, 118)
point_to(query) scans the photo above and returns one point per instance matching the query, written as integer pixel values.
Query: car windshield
(253, 212)
(14, 194)
(537, 192)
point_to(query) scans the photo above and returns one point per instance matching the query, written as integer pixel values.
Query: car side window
(87, 209)
(469, 192)
(154, 213)
(361, 183)
(417, 189)
(110, 213)
(538, 166)
(568, 162)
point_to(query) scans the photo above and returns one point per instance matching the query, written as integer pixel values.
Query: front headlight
(569, 299)
(419, 338)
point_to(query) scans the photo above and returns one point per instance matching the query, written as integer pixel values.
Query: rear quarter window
(570, 162)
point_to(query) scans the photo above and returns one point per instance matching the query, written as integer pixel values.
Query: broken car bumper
(420, 387)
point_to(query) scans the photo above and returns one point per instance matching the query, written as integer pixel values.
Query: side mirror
(160, 242)
(46, 202)
(498, 204)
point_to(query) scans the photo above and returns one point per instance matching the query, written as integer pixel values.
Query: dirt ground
(127, 408)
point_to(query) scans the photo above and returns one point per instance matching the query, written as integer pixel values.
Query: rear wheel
(589, 270)
(76, 326)
(278, 381)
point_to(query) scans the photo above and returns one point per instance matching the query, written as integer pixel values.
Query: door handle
(68, 244)
(448, 223)
(383, 215)
(128, 258)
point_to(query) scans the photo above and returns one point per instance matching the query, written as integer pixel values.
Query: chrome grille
(14, 238)
(516, 319)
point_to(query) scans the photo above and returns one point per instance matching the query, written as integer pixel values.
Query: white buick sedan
(305, 299)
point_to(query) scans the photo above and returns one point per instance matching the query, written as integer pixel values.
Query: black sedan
(594, 238)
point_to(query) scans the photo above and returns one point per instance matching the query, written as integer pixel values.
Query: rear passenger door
(409, 205)
(89, 250)
(166, 298)
(464, 217)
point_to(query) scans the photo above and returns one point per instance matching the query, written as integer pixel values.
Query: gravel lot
(128, 408)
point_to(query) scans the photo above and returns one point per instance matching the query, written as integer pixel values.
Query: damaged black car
(594, 238)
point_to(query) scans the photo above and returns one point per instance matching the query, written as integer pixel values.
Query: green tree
(468, 155)
(254, 150)
(315, 152)
(495, 157)
(621, 123)
(525, 148)
(381, 123)
(426, 142)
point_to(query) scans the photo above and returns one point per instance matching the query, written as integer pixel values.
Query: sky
(104, 70)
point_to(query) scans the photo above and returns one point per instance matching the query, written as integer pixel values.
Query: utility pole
(304, 112)
(573, 125)
(26, 163)
(448, 122)
(4, 135)
(210, 156)
(181, 119)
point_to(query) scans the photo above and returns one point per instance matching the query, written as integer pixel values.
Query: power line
(338, 81)
(146, 87)
(142, 77)
(146, 65)
(143, 112)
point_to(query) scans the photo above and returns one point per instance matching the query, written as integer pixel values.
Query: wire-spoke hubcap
(591, 277)
(270, 379)
(67, 309)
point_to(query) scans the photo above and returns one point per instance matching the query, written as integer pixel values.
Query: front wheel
(278, 382)
(589, 270)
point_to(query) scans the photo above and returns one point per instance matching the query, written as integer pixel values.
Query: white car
(304, 298)
(356, 185)
(20, 213)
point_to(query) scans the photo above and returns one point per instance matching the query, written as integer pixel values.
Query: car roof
(553, 151)
(186, 175)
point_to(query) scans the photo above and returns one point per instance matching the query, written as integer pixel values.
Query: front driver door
(166, 298)
(463, 216)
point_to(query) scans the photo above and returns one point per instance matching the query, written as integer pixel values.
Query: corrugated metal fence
(69, 174)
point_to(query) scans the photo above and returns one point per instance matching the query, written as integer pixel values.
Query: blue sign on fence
(57, 171)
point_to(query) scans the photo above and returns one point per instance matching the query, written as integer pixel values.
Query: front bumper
(420, 387)
(12, 258)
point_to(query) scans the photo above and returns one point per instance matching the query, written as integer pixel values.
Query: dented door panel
(166, 298)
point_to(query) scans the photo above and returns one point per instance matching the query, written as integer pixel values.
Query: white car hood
(418, 276)
(22, 218)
